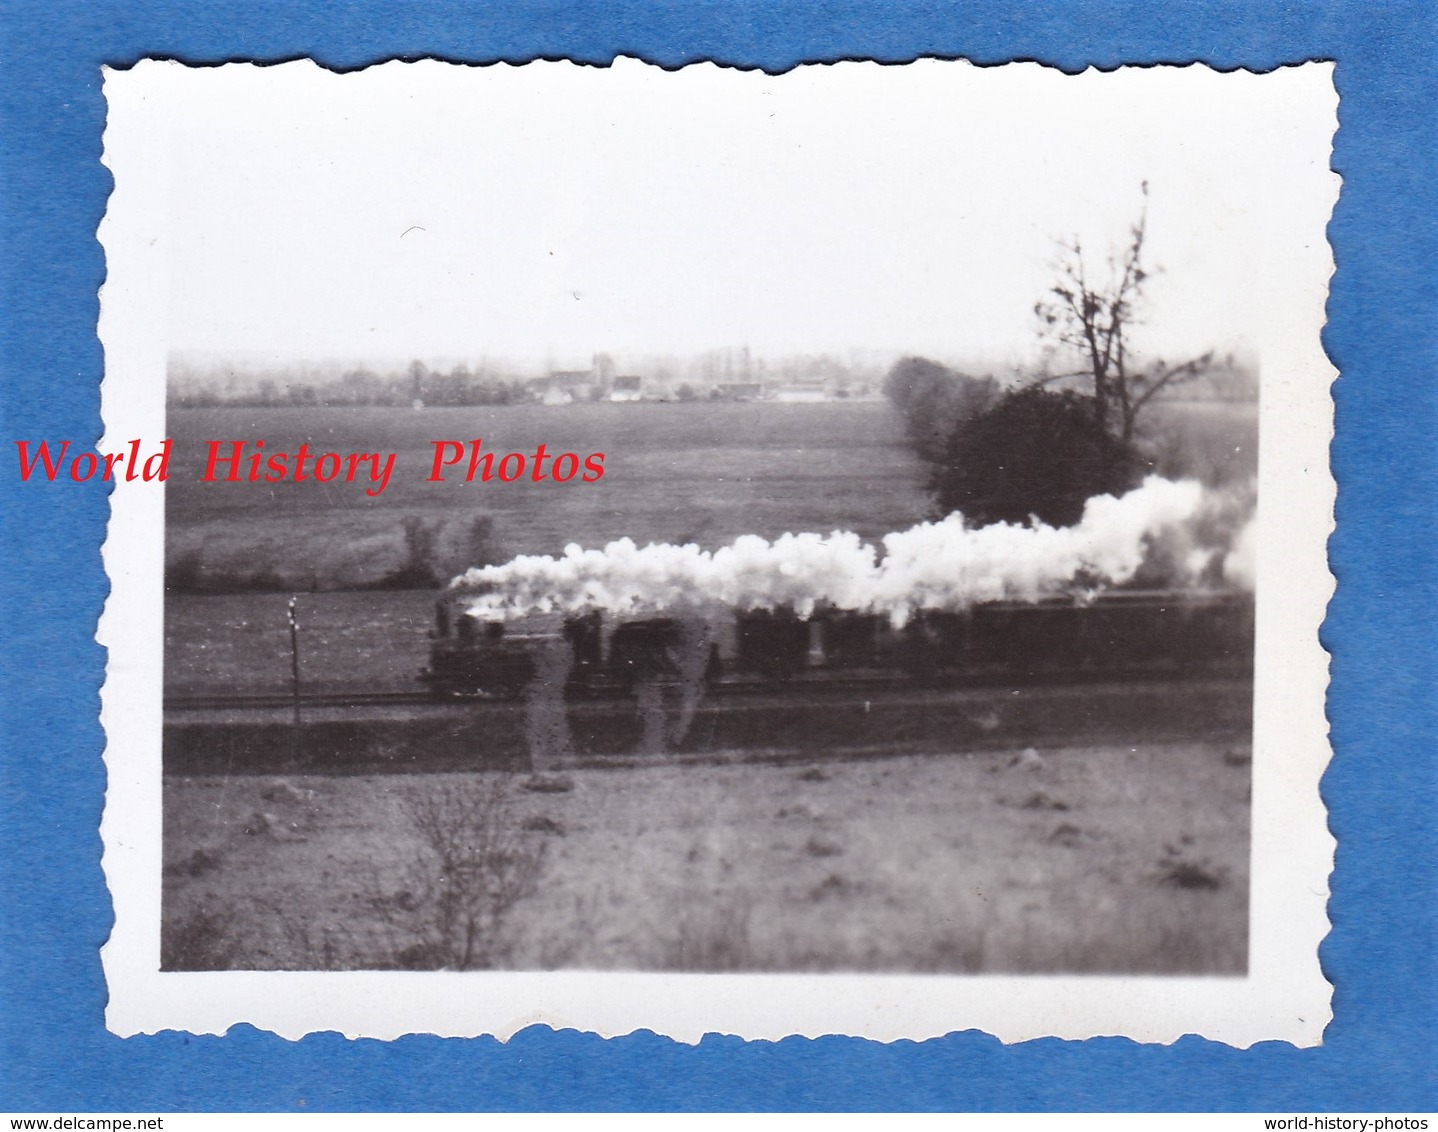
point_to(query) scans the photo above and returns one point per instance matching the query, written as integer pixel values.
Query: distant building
(800, 391)
(627, 387)
(563, 386)
(739, 391)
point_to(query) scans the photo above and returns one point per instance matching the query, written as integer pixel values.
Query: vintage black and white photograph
(862, 522)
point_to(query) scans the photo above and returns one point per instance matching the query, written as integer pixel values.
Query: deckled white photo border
(1284, 996)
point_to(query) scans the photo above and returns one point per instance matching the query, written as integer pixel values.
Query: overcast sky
(551, 211)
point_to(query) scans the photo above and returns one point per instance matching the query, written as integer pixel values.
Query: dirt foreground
(1079, 859)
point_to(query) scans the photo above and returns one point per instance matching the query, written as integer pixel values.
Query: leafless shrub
(420, 568)
(474, 864)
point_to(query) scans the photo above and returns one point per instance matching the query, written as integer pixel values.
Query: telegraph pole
(295, 671)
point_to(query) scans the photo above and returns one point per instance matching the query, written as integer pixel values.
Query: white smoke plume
(944, 565)
(1240, 561)
(947, 566)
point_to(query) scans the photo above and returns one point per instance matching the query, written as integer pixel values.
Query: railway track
(361, 700)
(277, 700)
(848, 686)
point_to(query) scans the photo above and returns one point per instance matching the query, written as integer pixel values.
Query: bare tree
(472, 866)
(1093, 317)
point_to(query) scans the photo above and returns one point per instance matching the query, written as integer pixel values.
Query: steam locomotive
(1116, 634)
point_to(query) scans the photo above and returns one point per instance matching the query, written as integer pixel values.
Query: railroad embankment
(510, 735)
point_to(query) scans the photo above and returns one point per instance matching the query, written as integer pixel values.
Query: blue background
(1379, 1052)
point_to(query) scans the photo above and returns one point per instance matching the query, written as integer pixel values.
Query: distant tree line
(357, 387)
(425, 555)
(721, 374)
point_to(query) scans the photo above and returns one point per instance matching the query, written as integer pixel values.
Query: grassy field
(218, 643)
(674, 472)
(1108, 859)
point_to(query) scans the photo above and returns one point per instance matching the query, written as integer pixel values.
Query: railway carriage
(1116, 634)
